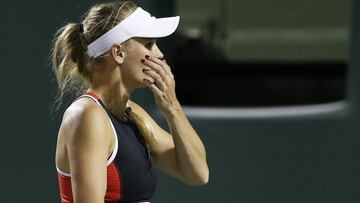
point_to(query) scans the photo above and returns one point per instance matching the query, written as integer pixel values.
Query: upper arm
(163, 151)
(87, 147)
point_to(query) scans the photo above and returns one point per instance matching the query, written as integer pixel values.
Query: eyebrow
(149, 39)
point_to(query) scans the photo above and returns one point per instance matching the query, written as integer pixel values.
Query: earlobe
(118, 53)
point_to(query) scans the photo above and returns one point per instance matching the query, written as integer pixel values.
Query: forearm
(190, 151)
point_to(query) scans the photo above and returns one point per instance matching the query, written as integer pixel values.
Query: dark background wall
(282, 157)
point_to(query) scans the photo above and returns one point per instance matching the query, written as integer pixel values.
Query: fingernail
(147, 81)
(147, 56)
(142, 60)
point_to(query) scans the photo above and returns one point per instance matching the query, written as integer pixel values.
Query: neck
(115, 98)
(107, 82)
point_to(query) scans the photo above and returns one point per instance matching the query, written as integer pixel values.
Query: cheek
(134, 59)
(134, 69)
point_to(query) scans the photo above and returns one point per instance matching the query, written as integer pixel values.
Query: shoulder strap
(96, 98)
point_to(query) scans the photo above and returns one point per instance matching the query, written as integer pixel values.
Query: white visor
(138, 24)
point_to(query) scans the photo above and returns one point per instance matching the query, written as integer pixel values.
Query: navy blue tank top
(133, 160)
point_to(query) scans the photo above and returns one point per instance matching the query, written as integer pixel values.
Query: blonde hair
(145, 129)
(70, 63)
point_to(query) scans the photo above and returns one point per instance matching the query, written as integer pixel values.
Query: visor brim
(162, 27)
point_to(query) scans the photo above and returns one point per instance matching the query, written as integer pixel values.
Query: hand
(163, 87)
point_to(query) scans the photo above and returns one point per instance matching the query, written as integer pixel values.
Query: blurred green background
(302, 153)
(271, 30)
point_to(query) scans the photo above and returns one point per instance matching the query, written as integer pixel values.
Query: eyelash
(149, 45)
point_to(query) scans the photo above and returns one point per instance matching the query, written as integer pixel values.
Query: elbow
(201, 179)
(204, 178)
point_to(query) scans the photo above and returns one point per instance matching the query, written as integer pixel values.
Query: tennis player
(108, 147)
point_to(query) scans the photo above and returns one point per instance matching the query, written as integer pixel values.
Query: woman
(108, 146)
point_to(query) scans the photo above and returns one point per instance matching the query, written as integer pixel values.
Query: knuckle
(156, 68)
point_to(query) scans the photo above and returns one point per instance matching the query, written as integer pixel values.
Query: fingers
(168, 69)
(157, 72)
(163, 85)
(165, 66)
(161, 67)
(153, 87)
(156, 78)
(147, 78)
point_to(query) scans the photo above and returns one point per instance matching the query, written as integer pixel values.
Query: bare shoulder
(87, 132)
(85, 118)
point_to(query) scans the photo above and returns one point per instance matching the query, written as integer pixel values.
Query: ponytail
(145, 128)
(69, 61)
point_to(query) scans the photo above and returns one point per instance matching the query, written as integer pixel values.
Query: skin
(86, 139)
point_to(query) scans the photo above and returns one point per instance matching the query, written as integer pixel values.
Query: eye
(149, 44)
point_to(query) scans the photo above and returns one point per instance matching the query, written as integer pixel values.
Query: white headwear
(138, 24)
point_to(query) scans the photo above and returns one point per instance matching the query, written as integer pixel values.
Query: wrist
(173, 110)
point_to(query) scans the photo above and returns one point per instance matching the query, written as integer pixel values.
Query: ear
(117, 52)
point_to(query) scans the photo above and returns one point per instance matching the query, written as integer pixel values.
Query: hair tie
(81, 28)
(83, 40)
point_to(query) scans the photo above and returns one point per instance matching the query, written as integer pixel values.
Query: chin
(140, 84)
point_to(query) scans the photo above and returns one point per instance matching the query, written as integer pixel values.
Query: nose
(157, 52)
